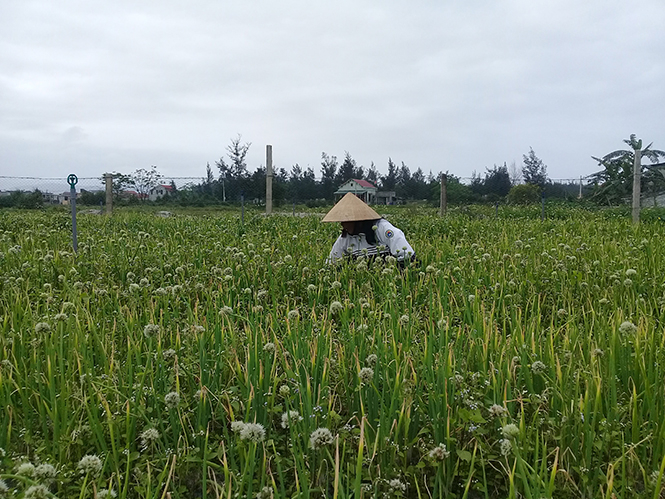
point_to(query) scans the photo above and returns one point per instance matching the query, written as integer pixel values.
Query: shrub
(524, 194)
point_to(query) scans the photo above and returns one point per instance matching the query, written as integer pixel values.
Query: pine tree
(534, 170)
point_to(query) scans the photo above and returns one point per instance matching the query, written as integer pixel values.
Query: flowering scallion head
(336, 307)
(320, 437)
(498, 410)
(42, 327)
(538, 367)
(510, 431)
(37, 492)
(290, 417)
(46, 473)
(25, 469)
(628, 327)
(149, 436)
(439, 453)
(366, 375)
(151, 330)
(254, 432)
(172, 399)
(90, 465)
(293, 315)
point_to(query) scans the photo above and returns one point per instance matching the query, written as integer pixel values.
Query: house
(133, 194)
(159, 191)
(50, 198)
(386, 197)
(364, 189)
(64, 197)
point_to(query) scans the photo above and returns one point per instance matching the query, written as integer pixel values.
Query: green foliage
(494, 186)
(22, 199)
(524, 194)
(521, 358)
(91, 198)
(614, 184)
(534, 171)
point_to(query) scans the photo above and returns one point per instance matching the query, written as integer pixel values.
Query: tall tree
(497, 181)
(209, 176)
(403, 187)
(389, 181)
(237, 153)
(534, 170)
(348, 169)
(310, 188)
(328, 175)
(418, 185)
(372, 173)
(224, 169)
(144, 179)
(295, 181)
(515, 173)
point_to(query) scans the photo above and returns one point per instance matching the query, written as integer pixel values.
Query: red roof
(364, 183)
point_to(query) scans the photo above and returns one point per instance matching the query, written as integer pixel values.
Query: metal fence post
(242, 205)
(542, 212)
(73, 180)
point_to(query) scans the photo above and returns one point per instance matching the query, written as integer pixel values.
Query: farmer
(365, 233)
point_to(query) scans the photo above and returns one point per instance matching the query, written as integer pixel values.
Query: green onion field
(198, 357)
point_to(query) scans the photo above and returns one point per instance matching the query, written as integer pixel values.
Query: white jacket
(389, 240)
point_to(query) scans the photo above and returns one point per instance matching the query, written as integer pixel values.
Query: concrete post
(443, 202)
(269, 176)
(108, 180)
(637, 179)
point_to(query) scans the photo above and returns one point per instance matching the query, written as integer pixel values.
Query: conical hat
(350, 209)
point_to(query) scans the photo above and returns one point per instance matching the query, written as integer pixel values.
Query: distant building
(50, 198)
(386, 197)
(364, 189)
(64, 198)
(159, 191)
(132, 194)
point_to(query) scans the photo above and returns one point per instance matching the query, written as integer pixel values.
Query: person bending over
(365, 233)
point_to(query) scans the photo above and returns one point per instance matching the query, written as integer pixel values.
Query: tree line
(230, 180)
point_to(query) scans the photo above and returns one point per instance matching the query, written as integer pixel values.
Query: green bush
(524, 194)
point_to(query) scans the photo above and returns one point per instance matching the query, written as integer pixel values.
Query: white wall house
(159, 191)
(364, 189)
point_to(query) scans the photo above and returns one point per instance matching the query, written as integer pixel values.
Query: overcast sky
(88, 87)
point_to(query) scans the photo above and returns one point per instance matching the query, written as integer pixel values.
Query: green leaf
(464, 455)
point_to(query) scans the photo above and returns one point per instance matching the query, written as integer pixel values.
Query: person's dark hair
(365, 227)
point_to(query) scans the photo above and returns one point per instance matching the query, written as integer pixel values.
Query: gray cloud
(453, 86)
